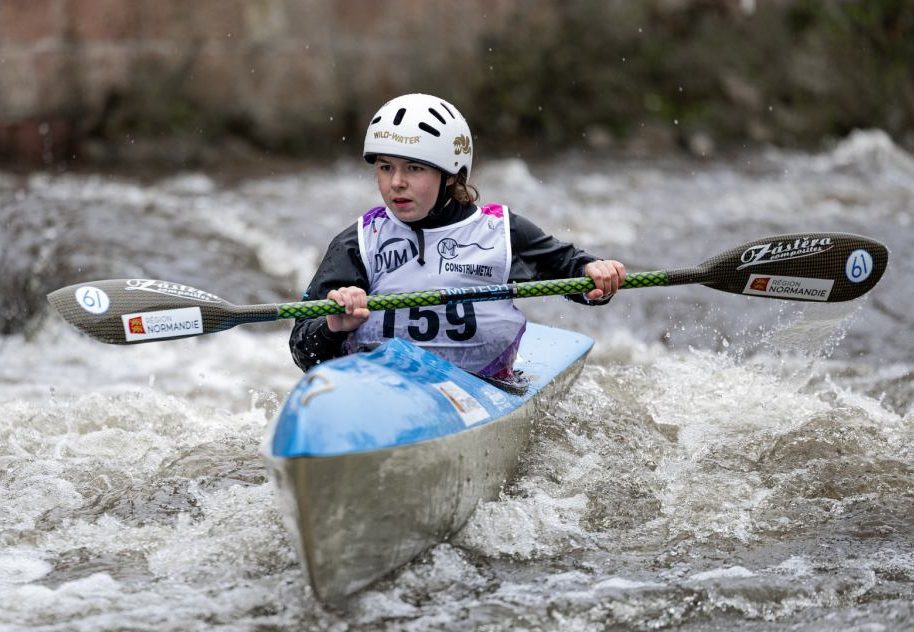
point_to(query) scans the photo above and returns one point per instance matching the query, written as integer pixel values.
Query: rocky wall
(175, 80)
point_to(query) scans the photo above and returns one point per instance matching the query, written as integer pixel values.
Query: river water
(723, 462)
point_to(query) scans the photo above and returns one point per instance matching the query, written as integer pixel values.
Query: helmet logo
(462, 144)
(397, 138)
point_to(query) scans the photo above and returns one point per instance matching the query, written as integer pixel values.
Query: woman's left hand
(607, 275)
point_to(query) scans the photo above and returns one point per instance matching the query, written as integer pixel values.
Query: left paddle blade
(133, 311)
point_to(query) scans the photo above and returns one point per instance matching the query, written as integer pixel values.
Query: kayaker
(431, 233)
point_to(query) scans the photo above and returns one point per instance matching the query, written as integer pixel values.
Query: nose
(398, 179)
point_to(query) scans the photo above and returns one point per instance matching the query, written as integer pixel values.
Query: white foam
(872, 149)
(655, 453)
(22, 567)
(722, 573)
(524, 528)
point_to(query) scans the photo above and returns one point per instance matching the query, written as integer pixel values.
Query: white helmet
(423, 128)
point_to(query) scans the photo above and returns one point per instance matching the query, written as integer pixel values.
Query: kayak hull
(358, 514)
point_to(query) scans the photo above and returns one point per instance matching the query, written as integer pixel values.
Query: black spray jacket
(535, 256)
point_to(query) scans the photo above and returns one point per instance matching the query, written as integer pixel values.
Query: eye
(383, 166)
(416, 167)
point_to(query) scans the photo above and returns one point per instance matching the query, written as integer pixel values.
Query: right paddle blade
(825, 267)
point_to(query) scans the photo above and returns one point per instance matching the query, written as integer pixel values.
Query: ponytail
(462, 191)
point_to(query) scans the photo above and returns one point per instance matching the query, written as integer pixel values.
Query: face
(409, 188)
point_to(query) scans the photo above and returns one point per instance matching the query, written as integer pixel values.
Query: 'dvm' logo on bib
(393, 253)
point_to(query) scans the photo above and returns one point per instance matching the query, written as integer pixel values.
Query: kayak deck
(379, 456)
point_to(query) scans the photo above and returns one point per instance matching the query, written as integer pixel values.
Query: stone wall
(279, 71)
(101, 79)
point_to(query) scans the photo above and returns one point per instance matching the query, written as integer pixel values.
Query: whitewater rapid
(723, 461)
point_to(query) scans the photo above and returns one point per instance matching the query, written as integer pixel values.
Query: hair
(462, 191)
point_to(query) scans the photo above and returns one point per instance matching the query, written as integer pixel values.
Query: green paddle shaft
(425, 298)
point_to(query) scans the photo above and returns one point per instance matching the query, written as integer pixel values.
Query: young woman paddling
(430, 234)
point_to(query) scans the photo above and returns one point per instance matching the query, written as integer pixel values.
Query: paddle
(824, 267)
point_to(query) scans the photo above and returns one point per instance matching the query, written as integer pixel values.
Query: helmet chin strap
(441, 201)
(443, 198)
(437, 209)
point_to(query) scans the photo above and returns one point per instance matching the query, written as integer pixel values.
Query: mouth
(401, 201)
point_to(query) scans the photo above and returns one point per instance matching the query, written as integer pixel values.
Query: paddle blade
(132, 311)
(824, 267)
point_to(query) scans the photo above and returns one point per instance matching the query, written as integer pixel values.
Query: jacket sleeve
(538, 256)
(311, 341)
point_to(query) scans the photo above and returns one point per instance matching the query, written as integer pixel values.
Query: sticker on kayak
(858, 266)
(789, 287)
(92, 299)
(467, 406)
(166, 323)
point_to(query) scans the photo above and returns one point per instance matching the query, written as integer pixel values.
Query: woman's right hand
(355, 300)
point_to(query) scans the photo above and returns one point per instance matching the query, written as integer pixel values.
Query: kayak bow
(379, 456)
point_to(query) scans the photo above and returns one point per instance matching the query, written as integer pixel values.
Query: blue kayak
(378, 456)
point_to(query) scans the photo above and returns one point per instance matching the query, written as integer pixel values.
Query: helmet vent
(448, 110)
(428, 128)
(399, 117)
(437, 116)
(376, 120)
